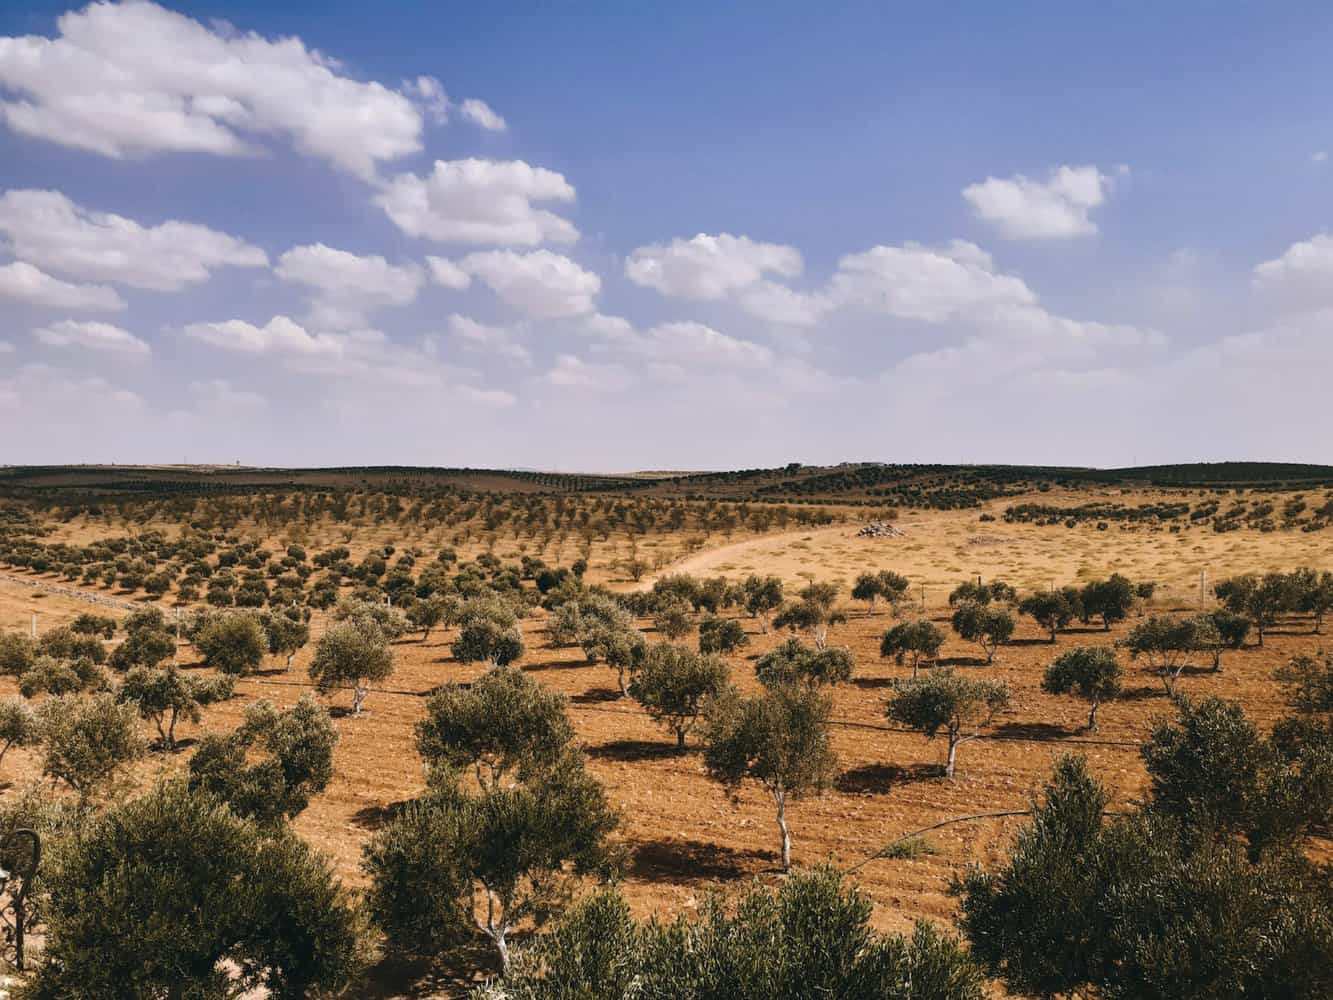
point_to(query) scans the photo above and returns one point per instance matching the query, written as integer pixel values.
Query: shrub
(136, 908)
(296, 762)
(793, 662)
(721, 635)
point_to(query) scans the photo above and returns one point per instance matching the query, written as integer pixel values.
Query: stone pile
(880, 529)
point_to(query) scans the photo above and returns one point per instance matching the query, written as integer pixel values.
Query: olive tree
(18, 726)
(1168, 643)
(886, 584)
(674, 685)
(721, 635)
(165, 695)
(143, 647)
(286, 634)
(944, 701)
(794, 662)
(988, 625)
(234, 643)
(779, 739)
(1313, 594)
(1051, 609)
(917, 641)
(623, 649)
(351, 655)
(51, 676)
(1263, 599)
(976, 592)
(1090, 672)
(294, 751)
(673, 618)
(503, 723)
(1111, 600)
(763, 596)
(492, 860)
(172, 895)
(87, 740)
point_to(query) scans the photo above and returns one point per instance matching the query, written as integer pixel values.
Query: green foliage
(233, 643)
(674, 685)
(142, 647)
(794, 662)
(296, 762)
(17, 653)
(86, 740)
(1111, 600)
(946, 701)
(390, 622)
(721, 635)
(886, 584)
(673, 618)
(976, 592)
(809, 938)
(1168, 643)
(1051, 609)
(153, 896)
(1130, 909)
(167, 695)
(88, 623)
(66, 644)
(285, 633)
(763, 595)
(814, 611)
(353, 653)
(988, 625)
(503, 723)
(621, 648)
(51, 676)
(492, 860)
(1090, 672)
(915, 641)
(18, 726)
(779, 739)
(1308, 682)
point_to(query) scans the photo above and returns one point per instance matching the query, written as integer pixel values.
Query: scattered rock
(880, 529)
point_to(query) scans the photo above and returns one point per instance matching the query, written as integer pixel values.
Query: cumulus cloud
(483, 339)
(924, 283)
(1051, 209)
(93, 336)
(1303, 274)
(570, 372)
(346, 285)
(21, 282)
(543, 284)
(480, 201)
(125, 79)
(46, 229)
(447, 273)
(709, 267)
(479, 113)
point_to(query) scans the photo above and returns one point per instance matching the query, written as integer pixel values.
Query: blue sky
(618, 236)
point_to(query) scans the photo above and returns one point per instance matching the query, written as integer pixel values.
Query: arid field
(685, 834)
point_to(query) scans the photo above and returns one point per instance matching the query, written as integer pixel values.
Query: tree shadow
(1029, 642)
(374, 817)
(396, 976)
(877, 779)
(672, 860)
(962, 661)
(873, 683)
(596, 696)
(630, 751)
(1085, 630)
(1142, 693)
(1035, 730)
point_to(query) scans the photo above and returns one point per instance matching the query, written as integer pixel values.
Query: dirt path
(705, 561)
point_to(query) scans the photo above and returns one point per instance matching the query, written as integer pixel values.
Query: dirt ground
(684, 833)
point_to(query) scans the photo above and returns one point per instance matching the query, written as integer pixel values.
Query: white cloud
(570, 372)
(1319, 157)
(50, 393)
(480, 201)
(347, 286)
(709, 267)
(694, 345)
(220, 397)
(1303, 274)
(924, 283)
(479, 113)
(543, 284)
(447, 273)
(46, 229)
(779, 304)
(21, 282)
(1027, 209)
(133, 78)
(483, 339)
(279, 336)
(93, 336)
(430, 92)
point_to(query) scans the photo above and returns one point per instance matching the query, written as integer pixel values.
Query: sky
(609, 236)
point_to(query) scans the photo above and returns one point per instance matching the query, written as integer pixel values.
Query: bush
(809, 938)
(796, 663)
(296, 763)
(137, 909)
(87, 740)
(721, 635)
(66, 644)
